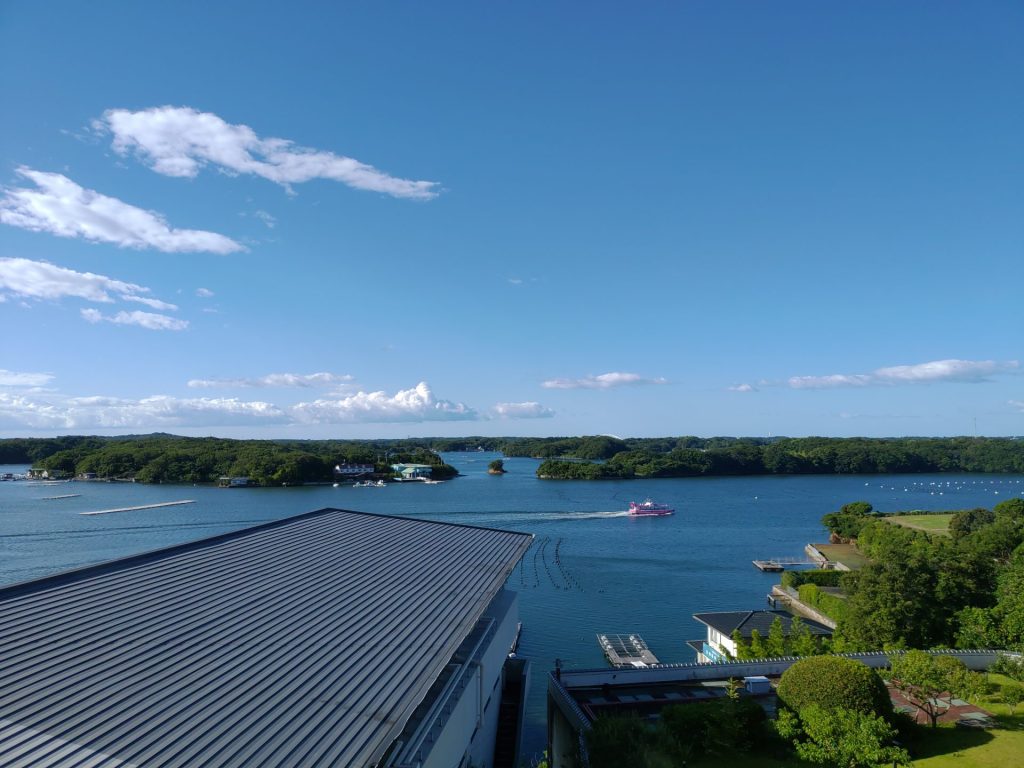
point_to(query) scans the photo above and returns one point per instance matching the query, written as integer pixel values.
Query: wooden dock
(626, 651)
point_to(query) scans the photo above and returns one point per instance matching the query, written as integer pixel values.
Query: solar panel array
(307, 641)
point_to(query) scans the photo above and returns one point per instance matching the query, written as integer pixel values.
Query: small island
(496, 467)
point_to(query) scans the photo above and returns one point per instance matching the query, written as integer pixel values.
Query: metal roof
(306, 641)
(746, 622)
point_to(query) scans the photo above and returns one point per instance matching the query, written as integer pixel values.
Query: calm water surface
(612, 573)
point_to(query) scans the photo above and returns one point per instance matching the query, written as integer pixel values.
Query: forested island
(598, 458)
(164, 458)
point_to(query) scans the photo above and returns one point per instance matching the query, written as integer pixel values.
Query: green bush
(832, 682)
(832, 606)
(820, 577)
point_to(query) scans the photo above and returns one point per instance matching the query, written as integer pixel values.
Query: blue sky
(706, 218)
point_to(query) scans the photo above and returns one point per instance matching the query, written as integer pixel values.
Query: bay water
(591, 569)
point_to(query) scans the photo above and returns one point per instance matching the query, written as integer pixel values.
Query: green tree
(496, 467)
(743, 649)
(758, 650)
(776, 645)
(923, 677)
(831, 682)
(846, 738)
(1012, 695)
(801, 641)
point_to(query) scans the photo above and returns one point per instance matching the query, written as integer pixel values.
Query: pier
(775, 564)
(144, 506)
(626, 651)
(65, 496)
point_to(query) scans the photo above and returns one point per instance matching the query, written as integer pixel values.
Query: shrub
(832, 682)
(822, 578)
(832, 606)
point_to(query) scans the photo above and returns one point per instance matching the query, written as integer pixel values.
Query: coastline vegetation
(930, 589)
(610, 458)
(163, 458)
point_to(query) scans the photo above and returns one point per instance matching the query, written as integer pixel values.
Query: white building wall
(469, 734)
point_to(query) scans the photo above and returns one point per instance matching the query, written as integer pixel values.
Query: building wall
(468, 735)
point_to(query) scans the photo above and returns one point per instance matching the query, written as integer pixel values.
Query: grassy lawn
(847, 554)
(943, 747)
(928, 523)
(1000, 747)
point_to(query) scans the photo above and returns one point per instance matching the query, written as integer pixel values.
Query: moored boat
(649, 508)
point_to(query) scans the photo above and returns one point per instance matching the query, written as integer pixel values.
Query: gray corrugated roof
(306, 641)
(747, 621)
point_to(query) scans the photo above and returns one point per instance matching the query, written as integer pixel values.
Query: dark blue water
(612, 573)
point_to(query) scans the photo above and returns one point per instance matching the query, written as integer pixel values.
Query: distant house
(719, 645)
(346, 471)
(47, 474)
(236, 482)
(412, 471)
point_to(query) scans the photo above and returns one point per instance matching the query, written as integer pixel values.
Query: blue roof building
(332, 638)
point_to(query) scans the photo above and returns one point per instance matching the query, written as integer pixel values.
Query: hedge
(820, 577)
(832, 606)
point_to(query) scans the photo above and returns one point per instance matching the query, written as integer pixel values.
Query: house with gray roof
(719, 645)
(332, 638)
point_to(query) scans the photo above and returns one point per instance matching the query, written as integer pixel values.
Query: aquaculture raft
(626, 651)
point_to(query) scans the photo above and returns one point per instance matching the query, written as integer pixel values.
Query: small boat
(648, 508)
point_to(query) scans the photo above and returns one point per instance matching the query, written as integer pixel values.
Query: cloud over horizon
(528, 410)
(24, 379)
(160, 411)
(275, 380)
(407, 405)
(602, 381)
(61, 207)
(52, 410)
(969, 371)
(180, 141)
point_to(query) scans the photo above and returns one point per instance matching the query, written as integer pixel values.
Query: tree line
(165, 458)
(922, 590)
(693, 457)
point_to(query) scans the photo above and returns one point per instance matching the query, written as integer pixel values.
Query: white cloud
(275, 380)
(743, 388)
(22, 379)
(178, 141)
(61, 412)
(153, 303)
(409, 405)
(528, 410)
(63, 208)
(603, 381)
(40, 280)
(971, 371)
(148, 320)
(1018, 404)
(266, 218)
(204, 293)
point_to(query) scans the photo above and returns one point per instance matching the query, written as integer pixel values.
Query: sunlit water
(591, 568)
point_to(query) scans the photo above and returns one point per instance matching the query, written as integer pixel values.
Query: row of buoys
(570, 580)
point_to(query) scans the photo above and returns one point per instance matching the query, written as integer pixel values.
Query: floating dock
(65, 496)
(626, 651)
(144, 506)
